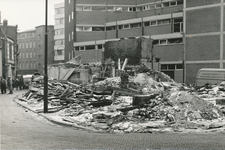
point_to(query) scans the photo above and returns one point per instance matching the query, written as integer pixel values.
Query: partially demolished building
(187, 34)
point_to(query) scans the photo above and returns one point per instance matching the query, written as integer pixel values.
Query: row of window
(27, 44)
(155, 42)
(171, 66)
(131, 9)
(26, 35)
(27, 55)
(59, 52)
(168, 41)
(177, 22)
(59, 42)
(10, 51)
(27, 65)
(89, 47)
(59, 21)
(59, 31)
(60, 10)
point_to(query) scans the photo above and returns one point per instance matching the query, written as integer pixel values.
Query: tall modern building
(59, 37)
(204, 24)
(186, 34)
(31, 48)
(8, 50)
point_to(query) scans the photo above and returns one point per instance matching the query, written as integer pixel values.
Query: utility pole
(46, 60)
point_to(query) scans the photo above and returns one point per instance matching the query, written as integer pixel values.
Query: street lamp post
(46, 60)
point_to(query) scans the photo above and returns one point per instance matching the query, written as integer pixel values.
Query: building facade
(187, 34)
(31, 48)
(8, 50)
(59, 37)
(204, 35)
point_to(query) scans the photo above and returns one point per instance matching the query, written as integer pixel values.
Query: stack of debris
(146, 105)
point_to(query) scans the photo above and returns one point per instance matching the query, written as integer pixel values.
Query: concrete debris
(151, 102)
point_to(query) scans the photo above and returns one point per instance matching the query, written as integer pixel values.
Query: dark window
(146, 24)
(135, 25)
(155, 42)
(166, 21)
(171, 66)
(98, 28)
(166, 4)
(100, 46)
(179, 66)
(173, 3)
(164, 67)
(176, 20)
(81, 48)
(126, 26)
(158, 5)
(130, 8)
(110, 28)
(90, 47)
(120, 27)
(153, 23)
(162, 42)
(173, 41)
(160, 22)
(76, 48)
(180, 2)
(59, 52)
(177, 27)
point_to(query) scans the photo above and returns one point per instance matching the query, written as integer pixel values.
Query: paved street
(22, 129)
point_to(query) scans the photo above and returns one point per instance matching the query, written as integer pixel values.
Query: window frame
(85, 8)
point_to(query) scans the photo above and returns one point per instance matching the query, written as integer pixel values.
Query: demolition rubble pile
(152, 102)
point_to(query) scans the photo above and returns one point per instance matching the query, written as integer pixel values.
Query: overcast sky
(27, 14)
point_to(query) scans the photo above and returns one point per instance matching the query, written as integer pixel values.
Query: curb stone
(57, 122)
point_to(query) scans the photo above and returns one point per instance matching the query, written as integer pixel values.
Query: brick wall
(69, 27)
(130, 32)
(90, 36)
(169, 52)
(154, 30)
(203, 48)
(194, 3)
(111, 34)
(203, 20)
(90, 55)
